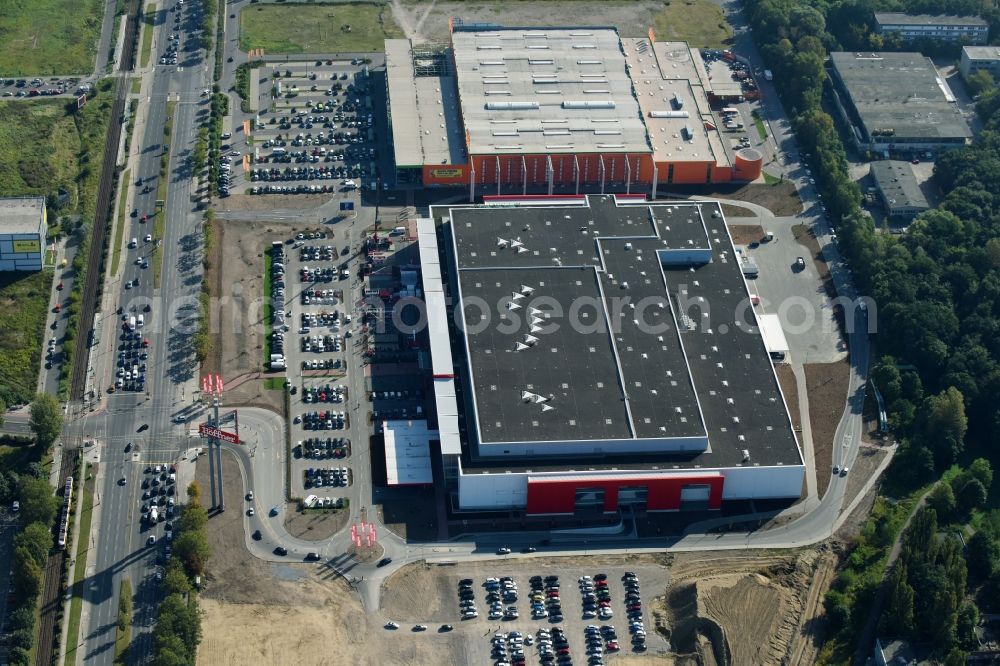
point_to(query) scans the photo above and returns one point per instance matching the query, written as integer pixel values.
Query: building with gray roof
(23, 225)
(895, 103)
(910, 27)
(898, 188)
(598, 344)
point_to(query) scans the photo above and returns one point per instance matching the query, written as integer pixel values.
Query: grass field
(147, 34)
(759, 124)
(24, 299)
(160, 216)
(340, 28)
(116, 249)
(123, 636)
(274, 383)
(49, 36)
(83, 543)
(771, 180)
(699, 22)
(136, 86)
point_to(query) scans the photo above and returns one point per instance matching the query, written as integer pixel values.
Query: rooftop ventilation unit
(669, 114)
(589, 104)
(677, 101)
(511, 106)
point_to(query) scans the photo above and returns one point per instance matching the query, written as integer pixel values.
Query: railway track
(47, 652)
(105, 206)
(51, 599)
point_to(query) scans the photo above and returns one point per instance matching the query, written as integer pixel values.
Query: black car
(446, 627)
(280, 550)
(384, 561)
(256, 535)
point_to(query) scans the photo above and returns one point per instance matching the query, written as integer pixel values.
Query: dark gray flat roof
(902, 93)
(897, 182)
(641, 381)
(893, 18)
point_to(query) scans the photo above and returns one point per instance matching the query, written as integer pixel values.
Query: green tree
(983, 556)
(194, 489)
(46, 419)
(38, 503)
(979, 82)
(21, 638)
(965, 628)
(22, 617)
(175, 580)
(956, 657)
(899, 612)
(942, 500)
(971, 496)
(3, 412)
(193, 518)
(177, 620)
(27, 575)
(945, 424)
(193, 551)
(37, 540)
(982, 470)
(19, 656)
(838, 609)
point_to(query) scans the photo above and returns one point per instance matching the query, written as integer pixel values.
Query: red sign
(208, 432)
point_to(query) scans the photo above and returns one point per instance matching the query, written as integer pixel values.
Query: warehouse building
(910, 27)
(555, 110)
(896, 104)
(605, 357)
(975, 58)
(22, 233)
(898, 189)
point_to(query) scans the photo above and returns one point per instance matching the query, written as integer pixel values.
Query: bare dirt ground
(271, 202)
(789, 387)
(430, 20)
(744, 234)
(780, 199)
(868, 459)
(827, 387)
(255, 612)
(236, 279)
(732, 210)
(754, 608)
(315, 525)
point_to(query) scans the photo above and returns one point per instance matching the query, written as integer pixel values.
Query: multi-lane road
(144, 418)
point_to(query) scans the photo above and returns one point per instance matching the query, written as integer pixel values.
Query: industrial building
(556, 110)
(23, 225)
(975, 58)
(910, 27)
(595, 354)
(896, 104)
(898, 189)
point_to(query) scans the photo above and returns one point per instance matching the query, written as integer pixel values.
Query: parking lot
(315, 132)
(42, 87)
(309, 331)
(569, 597)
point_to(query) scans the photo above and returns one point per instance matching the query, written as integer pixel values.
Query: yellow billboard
(27, 246)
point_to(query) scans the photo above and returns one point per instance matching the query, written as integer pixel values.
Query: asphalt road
(121, 539)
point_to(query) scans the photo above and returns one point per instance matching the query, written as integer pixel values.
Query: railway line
(105, 206)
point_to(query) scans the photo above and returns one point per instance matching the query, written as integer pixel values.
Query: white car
(503, 550)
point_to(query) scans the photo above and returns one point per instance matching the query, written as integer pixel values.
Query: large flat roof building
(555, 110)
(909, 27)
(23, 225)
(897, 103)
(605, 352)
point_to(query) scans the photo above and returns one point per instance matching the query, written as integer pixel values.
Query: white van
(131, 322)
(140, 321)
(134, 243)
(350, 185)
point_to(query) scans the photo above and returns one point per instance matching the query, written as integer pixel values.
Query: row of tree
(938, 294)
(38, 508)
(178, 622)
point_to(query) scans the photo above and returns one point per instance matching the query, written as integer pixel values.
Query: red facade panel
(558, 495)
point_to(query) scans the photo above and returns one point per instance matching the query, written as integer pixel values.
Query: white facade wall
(591, 447)
(504, 491)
